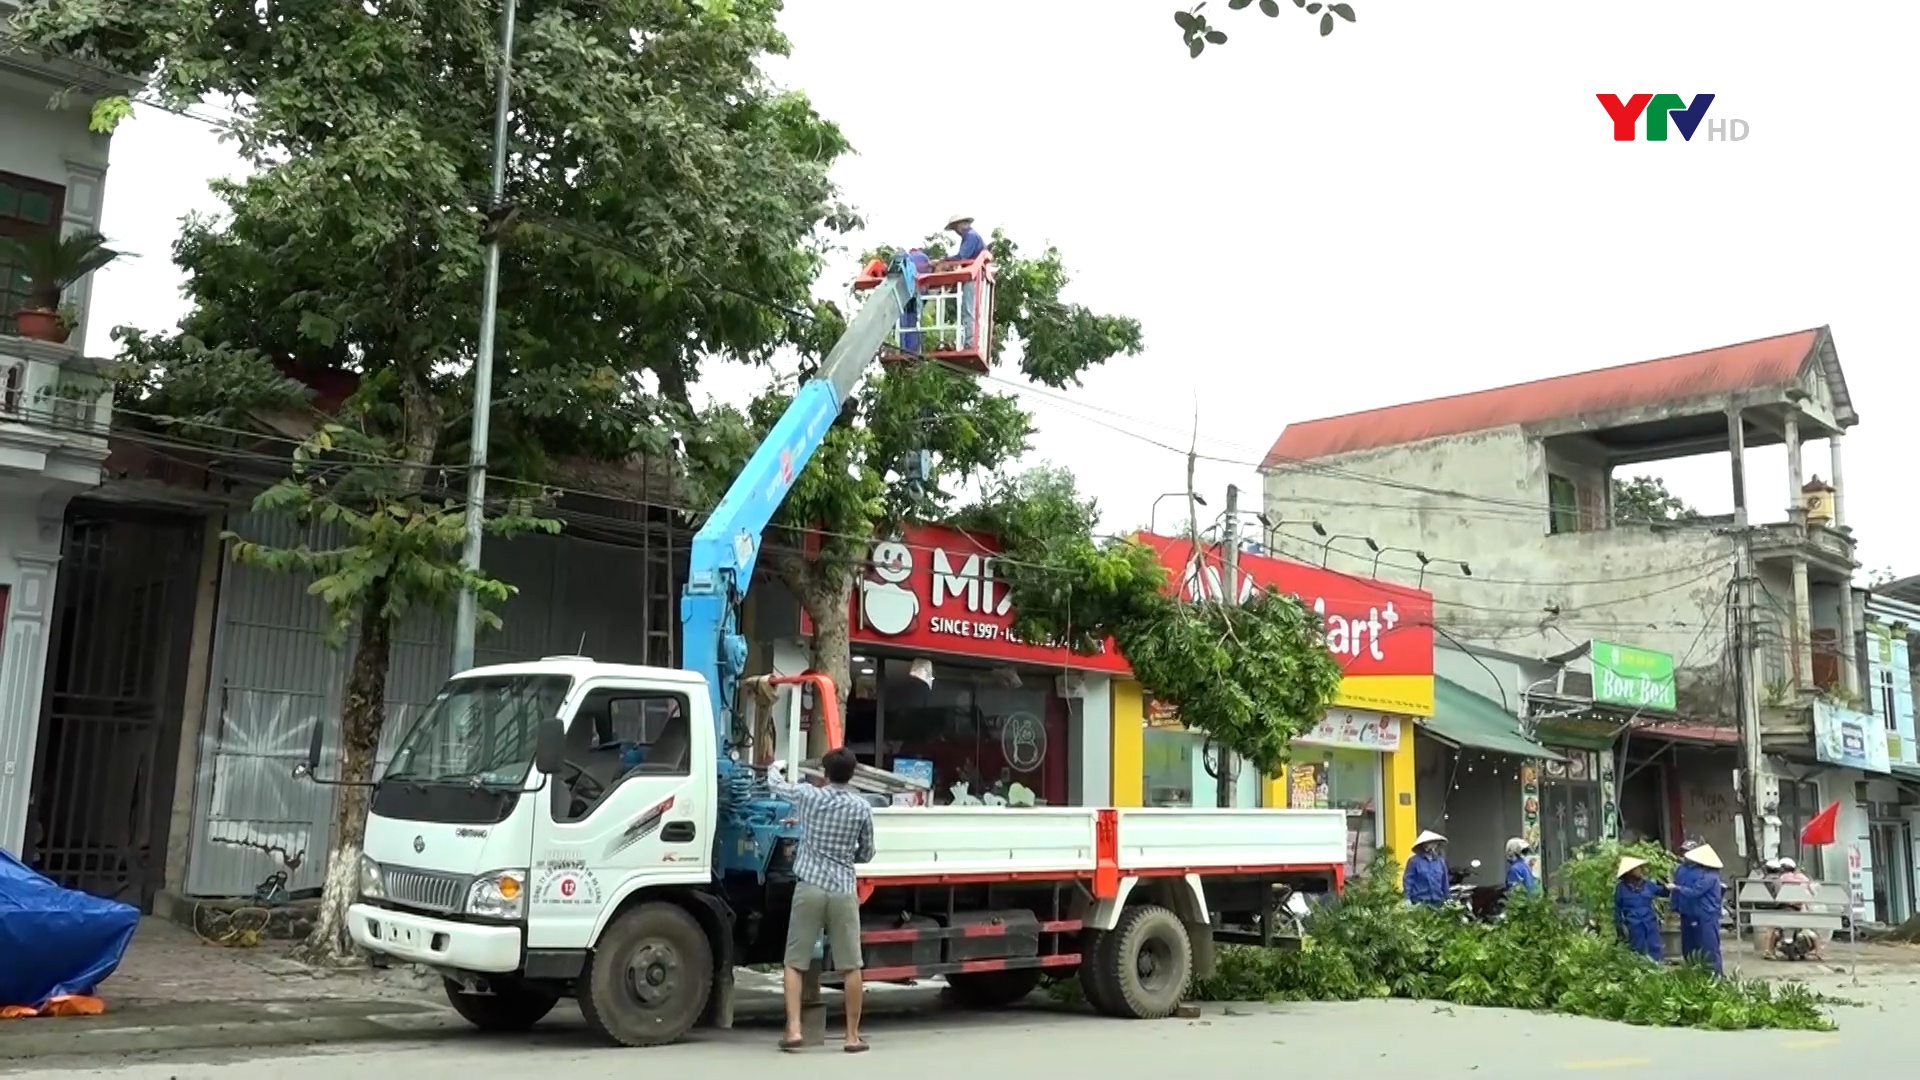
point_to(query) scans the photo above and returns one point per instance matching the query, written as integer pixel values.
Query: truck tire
(649, 978)
(993, 989)
(1146, 961)
(1094, 985)
(511, 1007)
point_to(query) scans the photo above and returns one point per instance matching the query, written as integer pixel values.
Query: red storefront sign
(933, 590)
(1381, 633)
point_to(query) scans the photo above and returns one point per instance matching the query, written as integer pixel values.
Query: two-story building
(54, 403)
(1501, 503)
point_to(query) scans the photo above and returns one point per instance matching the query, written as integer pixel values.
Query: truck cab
(502, 870)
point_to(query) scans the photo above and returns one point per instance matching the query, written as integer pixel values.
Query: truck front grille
(429, 890)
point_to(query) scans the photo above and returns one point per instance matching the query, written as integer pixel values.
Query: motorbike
(1482, 903)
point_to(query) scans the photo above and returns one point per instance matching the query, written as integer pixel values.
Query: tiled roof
(1750, 365)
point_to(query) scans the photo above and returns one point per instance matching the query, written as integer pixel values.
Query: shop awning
(1906, 773)
(1465, 719)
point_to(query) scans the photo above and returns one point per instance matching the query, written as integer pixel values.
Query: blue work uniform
(1425, 881)
(918, 265)
(1697, 897)
(970, 248)
(1520, 876)
(1634, 915)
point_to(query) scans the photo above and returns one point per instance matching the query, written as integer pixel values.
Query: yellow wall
(1129, 743)
(1129, 780)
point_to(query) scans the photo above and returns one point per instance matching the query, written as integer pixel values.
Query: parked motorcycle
(1483, 903)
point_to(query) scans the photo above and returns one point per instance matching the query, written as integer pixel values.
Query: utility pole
(1230, 596)
(1746, 644)
(466, 616)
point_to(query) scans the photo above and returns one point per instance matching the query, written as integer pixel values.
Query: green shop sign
(1635, 678)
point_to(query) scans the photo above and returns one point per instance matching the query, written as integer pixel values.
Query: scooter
(1798, 943)
(1483, 903)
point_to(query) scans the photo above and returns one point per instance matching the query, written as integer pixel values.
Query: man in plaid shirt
(836, 834)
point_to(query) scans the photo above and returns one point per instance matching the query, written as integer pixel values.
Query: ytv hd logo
(1664, 110)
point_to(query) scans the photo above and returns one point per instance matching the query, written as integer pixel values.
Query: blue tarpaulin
(57, 942)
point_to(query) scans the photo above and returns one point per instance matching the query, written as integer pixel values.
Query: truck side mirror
(549, 745)
(309, 765)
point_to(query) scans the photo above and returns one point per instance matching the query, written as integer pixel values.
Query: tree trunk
(829, 605)
(362, 717)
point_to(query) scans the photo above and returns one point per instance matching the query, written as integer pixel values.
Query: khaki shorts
(815, 910)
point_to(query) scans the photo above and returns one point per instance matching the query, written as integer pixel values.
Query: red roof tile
(1773, 361)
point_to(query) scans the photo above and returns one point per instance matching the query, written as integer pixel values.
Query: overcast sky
(1425, 203)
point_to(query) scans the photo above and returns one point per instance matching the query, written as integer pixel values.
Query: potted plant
(51, 263)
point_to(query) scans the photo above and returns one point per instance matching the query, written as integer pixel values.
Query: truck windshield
(479, 731)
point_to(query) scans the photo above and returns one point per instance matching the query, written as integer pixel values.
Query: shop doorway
(1892, 843)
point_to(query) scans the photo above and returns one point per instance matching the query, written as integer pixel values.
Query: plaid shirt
(836, 833)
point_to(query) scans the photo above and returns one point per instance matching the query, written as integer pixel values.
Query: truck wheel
(511, 1007)
(993, 989)
(650, 977)
(1094, 985)
(1146, 960)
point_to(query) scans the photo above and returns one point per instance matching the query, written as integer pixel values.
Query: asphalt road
(1385, 1040)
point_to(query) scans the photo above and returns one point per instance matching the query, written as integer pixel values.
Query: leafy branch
(1198, 33)
(1251, 675)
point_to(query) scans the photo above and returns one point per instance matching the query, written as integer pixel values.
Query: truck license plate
(403, 935)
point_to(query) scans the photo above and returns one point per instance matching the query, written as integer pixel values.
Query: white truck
(547, 830)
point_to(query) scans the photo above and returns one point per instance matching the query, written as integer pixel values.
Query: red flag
(1820, 831)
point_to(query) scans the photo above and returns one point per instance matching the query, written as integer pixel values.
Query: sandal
(860, 1046)
(792, 1045)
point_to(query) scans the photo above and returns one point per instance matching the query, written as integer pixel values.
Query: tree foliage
(1198, 32)
(860, 483)
(1252, 675)
(1644, 499)
(650, 158)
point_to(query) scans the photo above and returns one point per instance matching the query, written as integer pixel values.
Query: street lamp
(1154, 514)
(1415, 552)
(1465, 570)
(1274, 527)
(1328, 546)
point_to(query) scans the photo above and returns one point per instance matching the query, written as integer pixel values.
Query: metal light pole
(466, 621)
(1327, 548)
(1154, 513)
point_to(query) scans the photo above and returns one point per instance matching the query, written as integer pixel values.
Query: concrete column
(1839, 481)
(1802, 626)
(1849, 655)
(23, 667)
(86, 190)
(1796, 509)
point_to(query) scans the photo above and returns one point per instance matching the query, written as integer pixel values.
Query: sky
(1426, 202)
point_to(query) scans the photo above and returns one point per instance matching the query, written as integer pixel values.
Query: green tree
(1643, 499)
(1251, 675)
(1198, 32)
(859, 486)
(650, 157)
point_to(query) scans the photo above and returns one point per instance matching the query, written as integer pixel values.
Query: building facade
(54, 402)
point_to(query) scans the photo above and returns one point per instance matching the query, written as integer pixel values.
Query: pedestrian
(1697, 897)
(1425, 880)
(836, 834)
(971, 247)
(1634, 916)
(1519, 870)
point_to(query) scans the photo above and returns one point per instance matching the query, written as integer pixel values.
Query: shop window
(1001, 735)
(27, 208)
(1563, 505)
(1168, 756)
(1339, 778)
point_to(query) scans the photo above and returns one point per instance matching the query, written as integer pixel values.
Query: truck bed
(988, 842)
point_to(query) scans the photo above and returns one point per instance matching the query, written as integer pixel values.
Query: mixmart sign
(933, 589)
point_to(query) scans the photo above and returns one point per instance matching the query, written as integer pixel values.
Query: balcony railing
(54, 390)
(1787, 537)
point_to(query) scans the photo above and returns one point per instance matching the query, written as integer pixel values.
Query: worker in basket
(969, 249)
(1634, 915)
(1425, 880)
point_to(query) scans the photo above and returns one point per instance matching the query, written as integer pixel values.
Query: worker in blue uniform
(1519, 870)
(1634, 915)
(1425, 881)
(971, 245)
(918, 266)
(1697, 897)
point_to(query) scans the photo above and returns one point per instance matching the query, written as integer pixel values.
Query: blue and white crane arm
(727, 547)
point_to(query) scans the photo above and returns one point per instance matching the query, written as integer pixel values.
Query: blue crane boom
(727, 547)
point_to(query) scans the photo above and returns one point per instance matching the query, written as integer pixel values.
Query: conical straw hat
(1428, 836)
(1705, 856)
(1628, 862)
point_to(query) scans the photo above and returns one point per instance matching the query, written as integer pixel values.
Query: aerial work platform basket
(954, 320)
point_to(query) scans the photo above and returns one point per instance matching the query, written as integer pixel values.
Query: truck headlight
(499, 895)
(373, 885)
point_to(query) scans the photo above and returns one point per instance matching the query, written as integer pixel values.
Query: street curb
(29, 1039)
